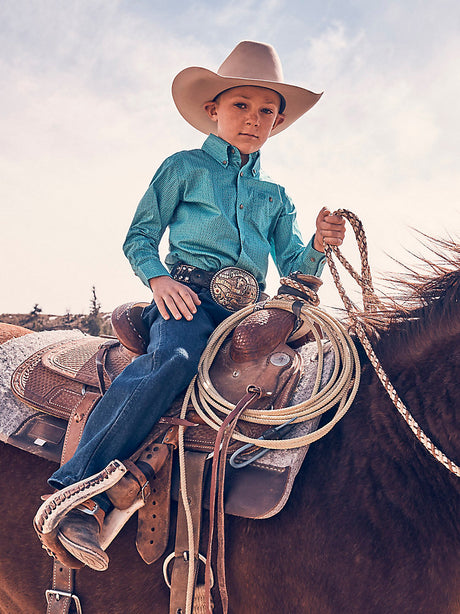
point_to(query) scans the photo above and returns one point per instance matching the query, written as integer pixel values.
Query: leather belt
(188, 274)
(230, 287)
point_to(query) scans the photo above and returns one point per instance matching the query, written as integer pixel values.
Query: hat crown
(253, 60)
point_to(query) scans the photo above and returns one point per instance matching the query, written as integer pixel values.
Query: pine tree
(93, 321)
(36, 310)
(95, 305)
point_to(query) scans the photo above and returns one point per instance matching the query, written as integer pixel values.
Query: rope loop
(339, 391)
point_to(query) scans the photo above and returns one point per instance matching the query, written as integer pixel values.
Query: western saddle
(64, 382)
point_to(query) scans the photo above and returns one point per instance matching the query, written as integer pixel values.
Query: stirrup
(55, 507)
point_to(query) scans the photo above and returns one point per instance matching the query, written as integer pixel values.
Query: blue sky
(86, 116)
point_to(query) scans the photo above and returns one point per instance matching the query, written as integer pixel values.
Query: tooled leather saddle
(63, 382)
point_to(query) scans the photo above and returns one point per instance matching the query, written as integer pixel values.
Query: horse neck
(422, 359)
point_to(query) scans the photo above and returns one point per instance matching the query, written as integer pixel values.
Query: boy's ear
(211, 109)
(279, 120)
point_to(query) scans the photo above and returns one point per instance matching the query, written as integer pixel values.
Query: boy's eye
(240, 105)
(267, 111)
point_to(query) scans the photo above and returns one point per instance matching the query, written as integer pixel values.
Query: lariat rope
(339, 391)
(370, 302)
(341, 388)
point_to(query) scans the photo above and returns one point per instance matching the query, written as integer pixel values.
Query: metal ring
(171, 556)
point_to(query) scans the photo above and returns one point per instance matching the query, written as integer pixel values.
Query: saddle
(63, 382)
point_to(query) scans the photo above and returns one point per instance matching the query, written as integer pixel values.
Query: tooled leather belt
(230, 287)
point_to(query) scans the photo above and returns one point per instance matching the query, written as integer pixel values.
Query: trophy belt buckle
(234, 288)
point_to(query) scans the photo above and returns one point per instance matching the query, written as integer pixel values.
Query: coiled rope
(340, 390)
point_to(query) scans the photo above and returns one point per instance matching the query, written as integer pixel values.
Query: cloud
(381, 140)
(86, 116)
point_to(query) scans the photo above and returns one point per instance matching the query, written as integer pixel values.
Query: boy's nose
(253, 119)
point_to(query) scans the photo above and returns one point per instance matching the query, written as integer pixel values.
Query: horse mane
(425, 307)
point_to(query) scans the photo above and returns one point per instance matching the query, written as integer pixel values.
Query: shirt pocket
(264, 210)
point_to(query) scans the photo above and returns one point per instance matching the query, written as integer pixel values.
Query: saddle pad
(15, 416)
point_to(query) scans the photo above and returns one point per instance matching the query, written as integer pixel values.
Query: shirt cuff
(150, 269)
(314, 260)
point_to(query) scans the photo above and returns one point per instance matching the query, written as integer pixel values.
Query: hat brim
(193, 87)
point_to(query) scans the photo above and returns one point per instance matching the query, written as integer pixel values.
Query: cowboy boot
(135, 482)
(79, 533)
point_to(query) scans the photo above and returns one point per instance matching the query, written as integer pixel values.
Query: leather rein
(371, 302)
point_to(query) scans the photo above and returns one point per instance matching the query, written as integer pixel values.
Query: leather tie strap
(60, 597)
(101, 358)
(195, 473)
(217, 482)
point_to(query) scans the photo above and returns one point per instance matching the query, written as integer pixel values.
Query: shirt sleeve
(150, 221)
(289, 251)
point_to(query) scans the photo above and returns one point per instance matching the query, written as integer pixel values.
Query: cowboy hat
(250, 63)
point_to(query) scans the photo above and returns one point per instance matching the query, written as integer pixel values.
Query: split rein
(371, 303)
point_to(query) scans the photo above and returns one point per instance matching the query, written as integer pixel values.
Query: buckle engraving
(234, 288)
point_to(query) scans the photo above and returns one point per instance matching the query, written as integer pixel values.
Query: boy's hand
(330, 228)
(171, 295)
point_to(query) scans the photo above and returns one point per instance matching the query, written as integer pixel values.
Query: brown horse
(371, 526)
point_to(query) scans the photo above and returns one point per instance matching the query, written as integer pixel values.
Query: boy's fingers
(336, 219)
(171, 304)
(332, 240)
(173, 298)
(159, 302)
(185, 305)
(191, 298)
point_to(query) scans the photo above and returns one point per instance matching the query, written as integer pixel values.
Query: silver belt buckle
(234, 288)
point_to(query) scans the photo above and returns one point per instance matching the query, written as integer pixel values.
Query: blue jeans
(142, 393)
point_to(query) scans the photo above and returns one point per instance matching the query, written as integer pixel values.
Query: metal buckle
(234, 288)
(60, 594)
(90, 511)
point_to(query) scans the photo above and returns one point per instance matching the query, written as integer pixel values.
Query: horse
(371, 526)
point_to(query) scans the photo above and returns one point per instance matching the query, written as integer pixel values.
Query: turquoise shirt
(219, 214)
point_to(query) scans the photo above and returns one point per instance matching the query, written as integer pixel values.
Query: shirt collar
(225, 153)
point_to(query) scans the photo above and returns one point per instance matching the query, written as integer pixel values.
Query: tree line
(95, 323)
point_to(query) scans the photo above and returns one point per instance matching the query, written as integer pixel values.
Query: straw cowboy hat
(250, 63)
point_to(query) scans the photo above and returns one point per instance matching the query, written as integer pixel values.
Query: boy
(221, 212)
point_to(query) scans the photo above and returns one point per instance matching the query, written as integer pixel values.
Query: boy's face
(245, 116)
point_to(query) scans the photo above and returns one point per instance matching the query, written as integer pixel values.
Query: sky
(86, 117)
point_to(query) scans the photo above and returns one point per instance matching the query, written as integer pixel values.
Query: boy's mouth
(253, 136)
